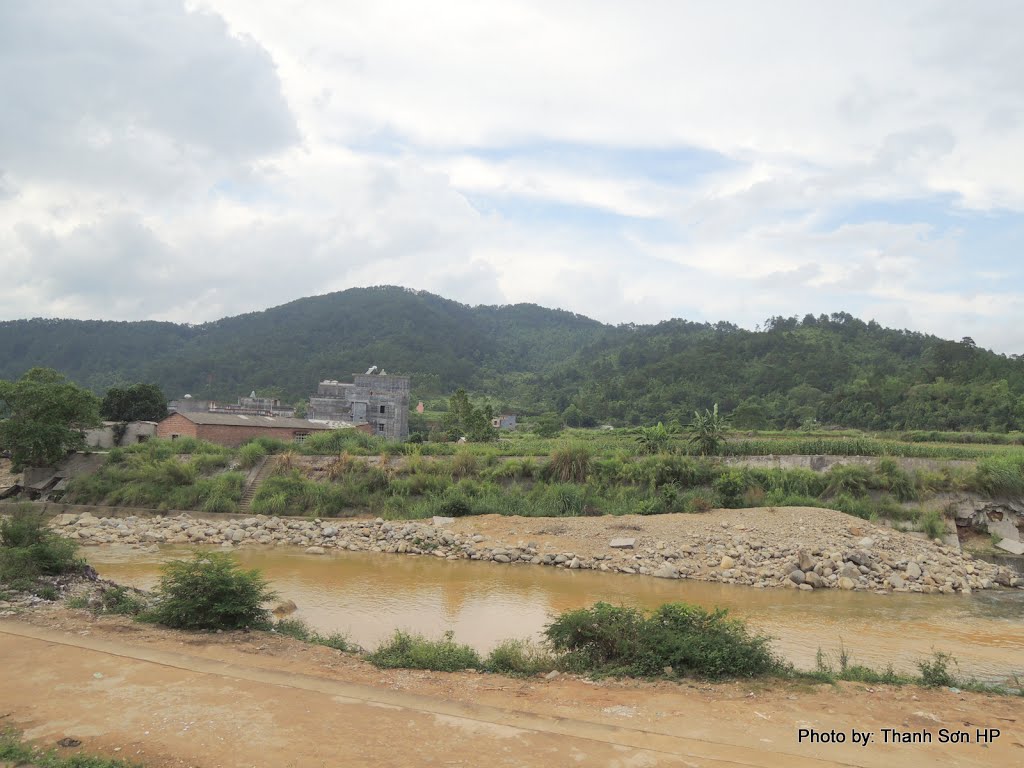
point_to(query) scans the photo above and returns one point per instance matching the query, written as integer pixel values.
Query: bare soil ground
(167, 698)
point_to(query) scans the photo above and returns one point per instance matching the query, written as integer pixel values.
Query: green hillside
(835, 369)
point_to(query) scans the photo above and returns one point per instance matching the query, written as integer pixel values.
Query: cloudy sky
(630, 161)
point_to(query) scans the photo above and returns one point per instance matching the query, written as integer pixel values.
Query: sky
(632, 162)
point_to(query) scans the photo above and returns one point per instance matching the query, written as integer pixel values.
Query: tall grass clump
(519, 657)
(932, 523)
(210, 591)
(28, 550)
(569, 463)
(249, 455)
(688, 639)
(335, 441)
(999, 476)
(410, 651)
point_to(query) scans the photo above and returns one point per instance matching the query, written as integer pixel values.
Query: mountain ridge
(831, 368)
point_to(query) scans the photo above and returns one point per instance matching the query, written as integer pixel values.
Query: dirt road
(172, 699)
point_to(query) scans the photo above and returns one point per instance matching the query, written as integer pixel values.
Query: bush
(408, 651)
(210, 591)
(731, 485)
(935, 671)
(28, 549)
(519, 657)
(690, 640)
(119, 600)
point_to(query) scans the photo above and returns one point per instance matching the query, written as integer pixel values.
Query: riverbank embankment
(787, 547)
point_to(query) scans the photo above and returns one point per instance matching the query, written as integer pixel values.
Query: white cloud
(185, 163)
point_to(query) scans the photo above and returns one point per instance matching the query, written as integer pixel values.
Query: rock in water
(284, 608)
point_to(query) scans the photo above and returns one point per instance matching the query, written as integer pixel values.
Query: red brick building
(232, 430)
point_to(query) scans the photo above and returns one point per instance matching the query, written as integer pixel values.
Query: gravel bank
(792, 547)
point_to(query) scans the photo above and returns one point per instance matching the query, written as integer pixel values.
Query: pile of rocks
(885, 561)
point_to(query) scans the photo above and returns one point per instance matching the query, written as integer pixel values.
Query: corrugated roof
(232, 420)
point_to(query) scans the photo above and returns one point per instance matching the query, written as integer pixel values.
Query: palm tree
(708, 431)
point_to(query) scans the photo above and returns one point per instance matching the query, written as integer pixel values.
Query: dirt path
(173, 699)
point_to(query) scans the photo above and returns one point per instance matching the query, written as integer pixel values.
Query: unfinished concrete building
(378, 399)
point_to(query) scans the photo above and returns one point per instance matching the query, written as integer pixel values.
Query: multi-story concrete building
(378, 399)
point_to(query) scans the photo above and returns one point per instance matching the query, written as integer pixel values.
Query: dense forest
(831, 369)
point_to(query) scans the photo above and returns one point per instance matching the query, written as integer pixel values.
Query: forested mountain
(836, 369)
(288, 349)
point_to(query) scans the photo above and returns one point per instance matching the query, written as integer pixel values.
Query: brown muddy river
(368, 596)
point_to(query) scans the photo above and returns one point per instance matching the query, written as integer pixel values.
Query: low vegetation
(299, 630)
(676, 639)
(14, 750)
(29, 550)
(411, 651)
(648, 470)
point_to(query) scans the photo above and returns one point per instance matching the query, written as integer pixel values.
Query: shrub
(600, 638)
(210, 591)
(698, 500)
(409, 651)
(519, 657)
(730, 486)
(569, 463)
(28, 549)
(935, 671)
(119, 600)
(704, 644)
(690, 640)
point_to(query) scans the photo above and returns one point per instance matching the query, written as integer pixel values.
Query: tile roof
(233, 420)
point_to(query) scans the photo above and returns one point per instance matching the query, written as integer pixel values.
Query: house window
(300, 437)
(175, 437)
(380, 426)
(382, 409)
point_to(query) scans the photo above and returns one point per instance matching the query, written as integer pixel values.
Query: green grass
(17, 751)
(299, 630)
(520, 658)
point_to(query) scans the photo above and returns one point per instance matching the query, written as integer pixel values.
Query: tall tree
(43, 417)
(139, 402)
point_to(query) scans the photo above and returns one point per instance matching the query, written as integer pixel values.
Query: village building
(234, 429)
(246, 406)
(379, 399)
(115, 433)
(504, 421)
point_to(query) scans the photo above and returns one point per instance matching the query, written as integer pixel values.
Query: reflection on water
(368, 596)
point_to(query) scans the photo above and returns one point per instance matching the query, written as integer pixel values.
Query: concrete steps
(264, 469)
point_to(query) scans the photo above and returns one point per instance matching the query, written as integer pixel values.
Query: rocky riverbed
(795, 548)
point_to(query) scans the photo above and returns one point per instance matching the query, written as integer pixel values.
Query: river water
(368, 596)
